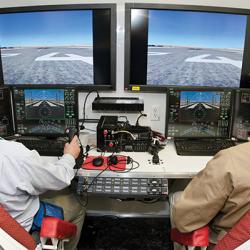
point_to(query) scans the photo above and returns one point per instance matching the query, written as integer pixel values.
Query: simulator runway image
(190, 48)
(48, 65)
(37, 51)
(42, 105)
(194, 66)
(199, 113)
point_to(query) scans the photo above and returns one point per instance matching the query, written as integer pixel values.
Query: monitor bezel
(245, 72)
(81, 86)
(52, 135)
(185, 88)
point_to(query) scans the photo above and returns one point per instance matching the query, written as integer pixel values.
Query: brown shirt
(219, 194)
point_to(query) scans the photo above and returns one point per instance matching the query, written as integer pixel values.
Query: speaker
(6, 118)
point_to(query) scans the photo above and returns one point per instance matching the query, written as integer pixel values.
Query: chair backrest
(239, 234)
(16, 231)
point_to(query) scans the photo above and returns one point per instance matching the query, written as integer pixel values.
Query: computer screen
(241, 120)
(199, 113)
(64, 45)
(45, 112)
(184, 46)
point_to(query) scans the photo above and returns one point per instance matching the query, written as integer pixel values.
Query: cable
(84, 107)
(124, 131)
(131, 161)
(137, 121)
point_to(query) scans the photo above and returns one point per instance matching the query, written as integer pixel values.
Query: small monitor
(241, 123)
(199, 113)
(45, 112)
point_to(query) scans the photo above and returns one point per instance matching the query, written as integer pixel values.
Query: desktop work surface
(125, 184)
(170, 165)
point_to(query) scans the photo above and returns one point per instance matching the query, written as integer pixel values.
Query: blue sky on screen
(42, 94)
(201, 29)
(46, 28)
(198, 96)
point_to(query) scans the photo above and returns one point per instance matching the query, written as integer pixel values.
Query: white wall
(149, 98)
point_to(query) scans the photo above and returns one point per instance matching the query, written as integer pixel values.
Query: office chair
(236, 238)
(13, 236)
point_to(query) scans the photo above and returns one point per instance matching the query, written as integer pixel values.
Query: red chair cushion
(16, 231)
(198, 237)
(239, 234)
(56, 228)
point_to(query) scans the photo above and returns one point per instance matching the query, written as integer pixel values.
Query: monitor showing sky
(44, 104)
(47, 47)
(188, 98)
(189, 48)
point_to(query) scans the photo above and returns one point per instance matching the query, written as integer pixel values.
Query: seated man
(218, 196)
(25, 176)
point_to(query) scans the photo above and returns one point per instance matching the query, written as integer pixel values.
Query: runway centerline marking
(222, 60)
(68, 57)
(158, 53)
(10, 54)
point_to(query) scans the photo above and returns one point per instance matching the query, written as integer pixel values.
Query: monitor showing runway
(42, 104)
(193, 48)
(47, 47)
(196, 113)
(45, 111)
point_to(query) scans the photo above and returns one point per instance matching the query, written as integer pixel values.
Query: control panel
(45, 111)
(241, 121)
(199, 113)
(123, 186)
(116, 136)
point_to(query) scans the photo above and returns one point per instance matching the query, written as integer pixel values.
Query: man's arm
(205, 195)
(44, 176)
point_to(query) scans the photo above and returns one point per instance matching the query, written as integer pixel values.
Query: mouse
(113, 160)
(97, 162)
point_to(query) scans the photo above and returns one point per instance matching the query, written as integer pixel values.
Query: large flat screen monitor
(199, 113)
(241, 120)
(45, 112)
(174, 45)
(59, 45)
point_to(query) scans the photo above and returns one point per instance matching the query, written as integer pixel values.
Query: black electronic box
(115, 136)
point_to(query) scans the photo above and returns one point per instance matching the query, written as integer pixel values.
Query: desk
(171, 166)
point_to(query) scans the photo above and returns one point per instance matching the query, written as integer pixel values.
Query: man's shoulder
(226, 160)
(14, 149)
(241, 150)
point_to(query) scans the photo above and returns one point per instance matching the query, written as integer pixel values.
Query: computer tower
(6, 119)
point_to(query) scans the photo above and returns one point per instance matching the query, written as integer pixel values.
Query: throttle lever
(71, 132)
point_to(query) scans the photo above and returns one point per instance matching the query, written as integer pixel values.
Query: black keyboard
(46, 147)
(201, 147)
